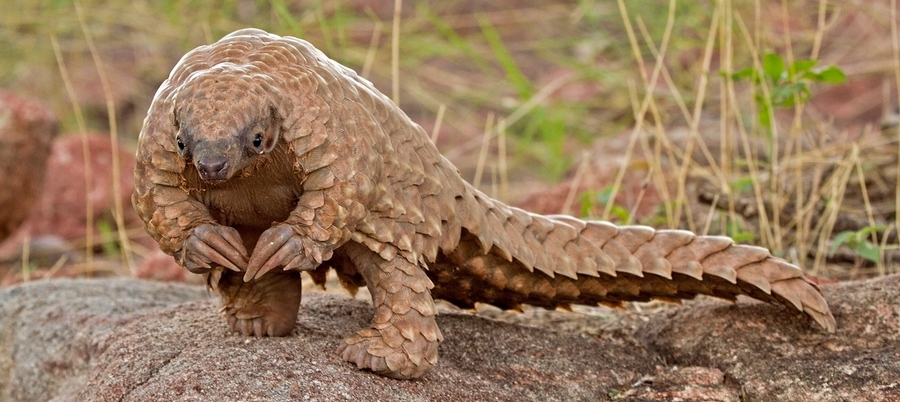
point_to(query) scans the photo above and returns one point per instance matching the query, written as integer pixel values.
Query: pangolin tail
(607, 264)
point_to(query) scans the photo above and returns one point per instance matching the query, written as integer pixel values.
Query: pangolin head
(225, 120)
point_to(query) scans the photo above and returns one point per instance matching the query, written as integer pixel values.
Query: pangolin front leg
(403, 340)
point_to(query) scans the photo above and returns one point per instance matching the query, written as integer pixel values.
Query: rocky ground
(132, 340)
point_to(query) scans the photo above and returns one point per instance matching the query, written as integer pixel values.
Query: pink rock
(63, 208)
(26, 129)
(160, 266)
(61, 212)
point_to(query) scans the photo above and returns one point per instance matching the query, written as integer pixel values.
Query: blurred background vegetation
(756, 119)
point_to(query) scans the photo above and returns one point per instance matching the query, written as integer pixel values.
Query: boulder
(27, 128)
(134, 340)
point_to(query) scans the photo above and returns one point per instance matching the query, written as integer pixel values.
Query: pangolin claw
(278, 246)
(214, 244)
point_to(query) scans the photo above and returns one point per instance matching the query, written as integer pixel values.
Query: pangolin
(261, 158)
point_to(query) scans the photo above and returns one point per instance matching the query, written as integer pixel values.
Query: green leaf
(620, 212)
(604, 196)
(780, 94)
(746, 73)
(831, 75)
(872, 229)
(801, 67)
(765, 115)
(743, 237)
(773, 66)
(868, 251)
(735, 230)
(593, 198)
(589, 200)
(857, 241)
(840, 239)
(742, 184)
(107, 231)
(783, 96)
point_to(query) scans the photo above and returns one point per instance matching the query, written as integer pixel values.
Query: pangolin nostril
(215, 168)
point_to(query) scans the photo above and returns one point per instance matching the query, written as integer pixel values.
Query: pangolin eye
(180, 143)
(257, 141)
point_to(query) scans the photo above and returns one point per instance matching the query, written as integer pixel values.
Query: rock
(51, 331)
(683, 384)
(26, 129)
(55, 230)
(132, 340)
(62, 211)
(159, 266)
(777, 357)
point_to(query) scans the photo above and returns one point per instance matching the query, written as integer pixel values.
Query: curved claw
(294, 263)
(277, 246)
(214, 244)
(197, 256)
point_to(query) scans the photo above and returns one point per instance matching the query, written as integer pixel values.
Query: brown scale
(261, 158)
(467, 276)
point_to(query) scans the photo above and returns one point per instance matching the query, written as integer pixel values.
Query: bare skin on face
(261, 158)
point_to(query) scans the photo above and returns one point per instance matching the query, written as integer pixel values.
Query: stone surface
(51, 331)
(112, 340)
(132, 340)
(771, 355)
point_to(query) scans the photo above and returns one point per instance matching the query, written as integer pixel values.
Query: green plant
(735, 230)
(543, 133)
(614, 394)
(860, 242)
(788, 84)
(108, 237)
(592, 199)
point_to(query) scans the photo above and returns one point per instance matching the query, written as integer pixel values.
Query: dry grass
(776, 177)
(513, 96)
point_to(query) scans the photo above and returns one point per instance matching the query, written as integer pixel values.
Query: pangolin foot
(266, 306)
(406, 359)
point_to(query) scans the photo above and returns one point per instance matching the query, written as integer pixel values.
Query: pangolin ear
(177, 138)
(274, 130)
(174, 114)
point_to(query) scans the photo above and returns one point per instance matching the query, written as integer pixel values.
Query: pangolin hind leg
(403, 340)
(266, 306)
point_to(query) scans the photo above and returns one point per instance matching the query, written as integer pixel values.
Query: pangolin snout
(213, 168)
